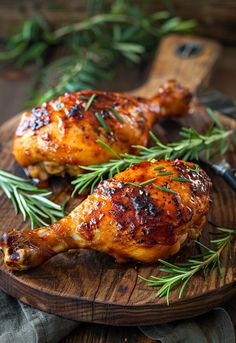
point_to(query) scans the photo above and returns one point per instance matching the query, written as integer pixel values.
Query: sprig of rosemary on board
(111, 33)
(179, 275)
(31, 201)
(190, 147)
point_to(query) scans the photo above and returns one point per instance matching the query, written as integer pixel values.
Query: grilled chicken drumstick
(144, 213)
(59, 136)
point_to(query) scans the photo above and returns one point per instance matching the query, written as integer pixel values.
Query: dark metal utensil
(219, 102)
(223, 168)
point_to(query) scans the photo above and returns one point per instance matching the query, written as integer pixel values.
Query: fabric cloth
(212, 327)
(20, 323)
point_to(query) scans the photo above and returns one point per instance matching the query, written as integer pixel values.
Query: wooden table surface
(14, 91)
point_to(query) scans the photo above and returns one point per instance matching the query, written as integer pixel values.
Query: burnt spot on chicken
(75, 112)
(145, 213)
(39, 112)
(39, 122)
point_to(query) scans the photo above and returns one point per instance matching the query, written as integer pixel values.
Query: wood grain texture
(91, 287)
(193, 72)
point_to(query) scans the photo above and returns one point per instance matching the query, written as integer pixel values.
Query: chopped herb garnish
(117, 115)
(102, 122)
(147, 182)
(159, 168)
(133, 184)
(165, 189)
(181, 179)
(164, 173)
(90, 101)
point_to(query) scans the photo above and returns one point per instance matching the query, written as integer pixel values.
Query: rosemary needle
(90, 101)
(144, 183)
(108, 148)
(159, 168)
(168, 190)
(164, 173)
(181, 179)
(102, 122)
(117, 114)
(133, 184)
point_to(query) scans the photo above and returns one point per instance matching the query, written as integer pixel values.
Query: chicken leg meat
(61, 135)
(144, 213)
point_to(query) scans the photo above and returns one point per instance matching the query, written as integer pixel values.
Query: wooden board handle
(172, 61)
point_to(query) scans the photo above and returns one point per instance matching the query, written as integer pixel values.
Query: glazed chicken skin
(61, 135)
(144, 213)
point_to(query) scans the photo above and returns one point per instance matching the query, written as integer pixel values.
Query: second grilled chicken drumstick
(144, 213)
(59, 136)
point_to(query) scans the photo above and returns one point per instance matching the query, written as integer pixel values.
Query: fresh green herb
(159, 168)
(216, 140)
(133, 184)
(90, 101)
(168, 190)
(181, 179)
(114, 32)
(179, 275)
(31, 201)
(144, 183)
(164, 173)
(102, 122)
(108, 148)
(214, 117)
(117, 115)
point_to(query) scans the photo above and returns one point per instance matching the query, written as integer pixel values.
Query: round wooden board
(92, 287)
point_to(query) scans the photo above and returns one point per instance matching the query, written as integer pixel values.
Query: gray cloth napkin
(212, 327)
(20, 323)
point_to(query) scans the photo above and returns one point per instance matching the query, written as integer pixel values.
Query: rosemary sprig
(117, 31)
(179, 275)
(193, 143)
(31, 201)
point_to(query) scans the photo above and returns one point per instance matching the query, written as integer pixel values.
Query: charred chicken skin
(59, 136)
(144, 213)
